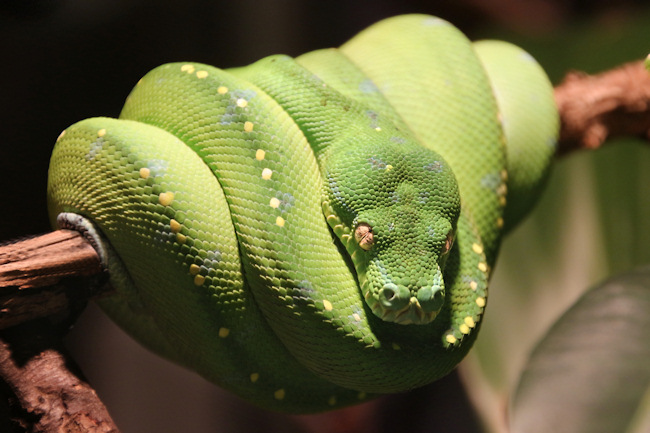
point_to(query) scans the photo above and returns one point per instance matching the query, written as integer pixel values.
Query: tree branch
(594, 108)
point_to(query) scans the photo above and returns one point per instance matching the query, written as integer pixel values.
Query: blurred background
(66, 60)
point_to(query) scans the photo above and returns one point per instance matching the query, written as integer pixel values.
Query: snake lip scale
(309, 233)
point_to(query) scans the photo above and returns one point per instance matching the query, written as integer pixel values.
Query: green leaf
(591, 372)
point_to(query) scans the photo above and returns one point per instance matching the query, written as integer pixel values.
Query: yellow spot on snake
(504, 175)
(166, 198)
(222, 90)
(188, 68)
(502, 200)
(199, 280)
(480, 302)
(356, 317)
(144, 172)
(378, 129)
(260, 154)
(175, 226)
(478, 249)
(500, 222)
(267, 173)
(248, 126)
(194, 269)
(469, 322)
(464, 329)
(327, 305)
(224, 332)
(396, 346)
(389, 167)
(274, 203)
(279, 394)
(201, 74)
(482, 267)
(60, 135)
(332, 401)
(101, 132)
(242, 103)
(451, 339)
(254, 377)
(181, 238)
(279, 221)
(362, 395)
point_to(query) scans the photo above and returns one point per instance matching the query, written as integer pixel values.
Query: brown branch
(593, 108)
(45, 282)
(48, 392)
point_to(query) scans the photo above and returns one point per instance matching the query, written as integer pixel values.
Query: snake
(312, 232)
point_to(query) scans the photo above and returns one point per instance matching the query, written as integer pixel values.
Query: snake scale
(311, 232)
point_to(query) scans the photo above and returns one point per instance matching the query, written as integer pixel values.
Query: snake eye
(364, 236)
(449, 242)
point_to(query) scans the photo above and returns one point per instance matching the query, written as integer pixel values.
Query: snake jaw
(395, 303)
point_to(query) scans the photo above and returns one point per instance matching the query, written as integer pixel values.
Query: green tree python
(311, 232)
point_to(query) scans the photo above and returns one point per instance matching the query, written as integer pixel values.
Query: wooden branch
(48, 392)
(593, 108)
(31, 272)
(45, 282)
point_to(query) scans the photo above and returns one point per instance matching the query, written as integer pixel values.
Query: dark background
(63, 61)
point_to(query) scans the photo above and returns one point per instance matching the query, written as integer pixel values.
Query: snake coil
(310, 232)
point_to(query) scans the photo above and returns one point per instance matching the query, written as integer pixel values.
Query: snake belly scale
(311, 232)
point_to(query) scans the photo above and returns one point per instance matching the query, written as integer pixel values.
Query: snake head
(402, 226)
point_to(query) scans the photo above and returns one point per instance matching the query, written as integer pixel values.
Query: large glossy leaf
(591, 372)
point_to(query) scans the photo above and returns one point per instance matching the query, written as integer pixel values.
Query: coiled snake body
(309, 232)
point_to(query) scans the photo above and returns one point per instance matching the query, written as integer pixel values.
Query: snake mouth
(396, 304)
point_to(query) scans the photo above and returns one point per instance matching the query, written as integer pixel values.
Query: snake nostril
(394, 296)
(431, 299)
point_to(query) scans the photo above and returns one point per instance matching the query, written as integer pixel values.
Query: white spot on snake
(368, 86)
(491, 181)
(144, 172)
(201, 74)
(166, 198)
(174, 226)
(95, 148)
(248, 126)
(274, 203)
(260, 154)
(267, 173)
(434, 21)
(279, 221)
(224, 332)
(435, 166)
